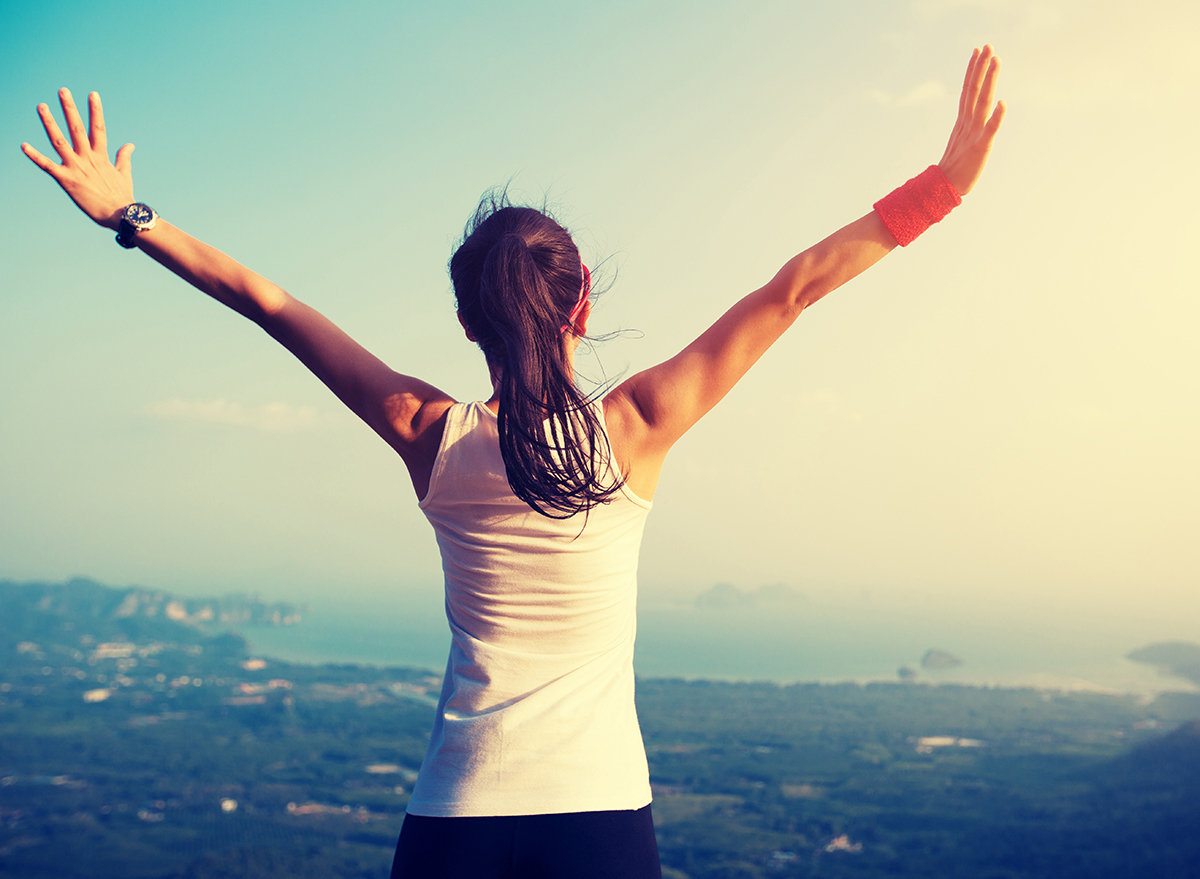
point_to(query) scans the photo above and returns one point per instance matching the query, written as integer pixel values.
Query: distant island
(1178, 658)
(933, 660)
(939, 660)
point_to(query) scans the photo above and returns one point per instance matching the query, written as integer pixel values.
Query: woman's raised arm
(401, 409)
(650, 411)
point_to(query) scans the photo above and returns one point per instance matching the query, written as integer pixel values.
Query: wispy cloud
(273, 417)
(928, 92)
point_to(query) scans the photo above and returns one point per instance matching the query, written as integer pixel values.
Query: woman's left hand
(975, 130)
(98, 187)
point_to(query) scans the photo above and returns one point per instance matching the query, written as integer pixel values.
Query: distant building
(114, 650)
(926, 744)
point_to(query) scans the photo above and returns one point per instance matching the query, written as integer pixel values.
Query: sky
(1000, 420)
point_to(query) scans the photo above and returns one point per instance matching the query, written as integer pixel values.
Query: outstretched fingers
(98, 136)
(98, 188)
(983, 108)
(74, 120)
(123, 163)
(974, 87)
(48, 165)
(54, 133)
(993, 124)
(963, 109)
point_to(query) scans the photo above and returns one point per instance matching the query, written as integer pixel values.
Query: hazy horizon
(777, 635)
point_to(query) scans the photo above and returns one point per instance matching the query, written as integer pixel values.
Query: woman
(535, 767)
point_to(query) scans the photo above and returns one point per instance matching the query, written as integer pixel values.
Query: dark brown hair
(517, 276)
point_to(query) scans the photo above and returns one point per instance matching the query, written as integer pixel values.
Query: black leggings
(572, 845)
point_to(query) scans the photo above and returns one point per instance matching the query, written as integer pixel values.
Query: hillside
(83, 608)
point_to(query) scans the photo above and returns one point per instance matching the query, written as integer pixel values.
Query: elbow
(261, 300)
(798, 295)
(798, 284)
(808, 284)
(805, 296)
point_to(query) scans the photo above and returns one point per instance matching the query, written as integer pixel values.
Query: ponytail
(519, 281)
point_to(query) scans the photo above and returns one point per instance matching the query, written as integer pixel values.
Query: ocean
(784, 642)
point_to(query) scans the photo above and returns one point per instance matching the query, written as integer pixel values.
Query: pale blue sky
(1003, 417)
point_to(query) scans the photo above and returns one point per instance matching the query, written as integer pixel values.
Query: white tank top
(536, 713)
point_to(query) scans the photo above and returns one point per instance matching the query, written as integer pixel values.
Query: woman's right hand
(98, 187)
(975, 129)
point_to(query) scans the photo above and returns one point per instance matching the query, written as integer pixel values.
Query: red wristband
(917, 205)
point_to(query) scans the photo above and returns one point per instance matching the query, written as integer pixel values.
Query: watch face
(139, 214)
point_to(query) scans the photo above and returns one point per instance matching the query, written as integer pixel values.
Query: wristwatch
(136, 218)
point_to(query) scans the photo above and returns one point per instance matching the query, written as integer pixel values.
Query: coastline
(750, 650)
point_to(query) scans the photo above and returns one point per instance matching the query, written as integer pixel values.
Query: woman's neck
(493, 402)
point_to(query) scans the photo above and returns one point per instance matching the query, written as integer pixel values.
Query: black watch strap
(126, 232)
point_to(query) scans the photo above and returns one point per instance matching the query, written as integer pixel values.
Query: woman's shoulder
(631, 442)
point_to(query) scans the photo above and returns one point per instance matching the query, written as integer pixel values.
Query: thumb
(123, 161)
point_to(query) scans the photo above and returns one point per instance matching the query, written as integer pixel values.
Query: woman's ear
(579, 327)
(466, 330)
